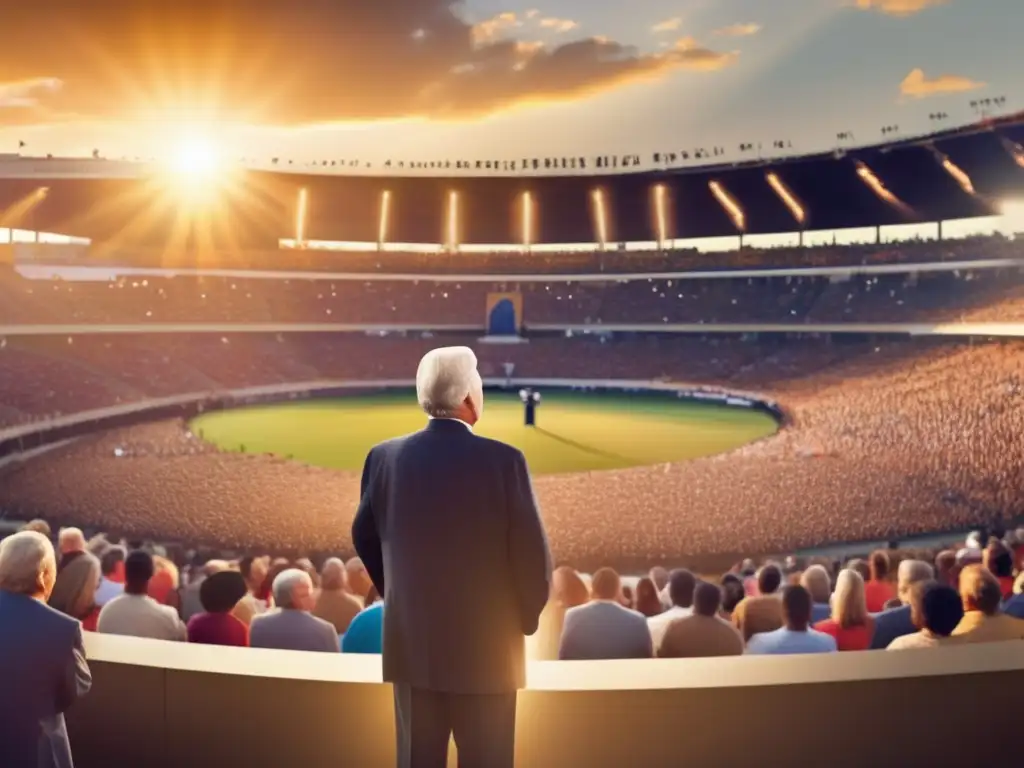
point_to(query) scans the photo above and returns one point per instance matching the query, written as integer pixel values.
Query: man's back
(40, 676)
(463, 558)
(140, 616)
(786, 641)
(293, 630)
(700, 636)
(604, 630)
(891, 624)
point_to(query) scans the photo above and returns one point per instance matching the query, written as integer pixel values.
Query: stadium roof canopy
(956, 174)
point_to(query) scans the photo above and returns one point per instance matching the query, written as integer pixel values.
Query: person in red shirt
(999, 560)
(879, 590)
(216, 626)
(850, 624)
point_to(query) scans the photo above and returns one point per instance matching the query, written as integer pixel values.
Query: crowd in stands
(892, 599)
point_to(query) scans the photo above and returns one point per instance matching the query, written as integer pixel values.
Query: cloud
(668, 25)
(27, 94)
(333, 62)
(898, 7)
(738, 30)
(916, 85)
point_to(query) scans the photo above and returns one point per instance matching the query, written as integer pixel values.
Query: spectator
(999, 560)
(163, 587)
(860, 566)
(761, 612)
(305, 564)
(817, 581)
(112, 575)
(945, 568)
(704, 633)
(647, 601)
(70, 544)
(74, 593)
(254, 570)
(359, 582)
(38, 526)
(983, 622)
(732, 593)
(1015, 605)
(897, 622)
(936, 610)
(335, 604)
(567, 591)
(795, 636)
(681, 584)
(191, 599)
(219, 594)
(659, 575)
(850, 624)
(43, 670)
(135, 613)
(879, 589)
(366, 632)
(603, 629)
(292, 626)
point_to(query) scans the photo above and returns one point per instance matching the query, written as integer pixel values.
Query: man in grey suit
(603, 629)
(449, 531)
(292, 627)
(42, 662)
(896, 622)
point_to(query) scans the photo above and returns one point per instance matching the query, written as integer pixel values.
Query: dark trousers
(484, 727)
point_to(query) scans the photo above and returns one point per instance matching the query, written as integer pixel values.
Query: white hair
(71, 540)
(284, 586)
(24, 558)
(445, 378)
(817, 581)
(909, 573)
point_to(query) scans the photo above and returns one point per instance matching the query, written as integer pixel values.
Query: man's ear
(468, 402)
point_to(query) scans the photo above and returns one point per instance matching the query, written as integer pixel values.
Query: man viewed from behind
(71, 544)
(704, 633)
(761, 612)
(292, 626)
(817, 581)
(795, 636)
(603, 628)
(112, 578)
(449, 532)
(983, 621)
(135, 613)
(935, 610)
(681, 584)
(897, 622)
(42, 661)
(335, 603)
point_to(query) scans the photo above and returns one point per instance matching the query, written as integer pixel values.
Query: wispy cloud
(558, 25)
(489, 30)
(898, 7)
(738, 30)
(917, 85)
(668, 25)
(26, 94)
(690, 54)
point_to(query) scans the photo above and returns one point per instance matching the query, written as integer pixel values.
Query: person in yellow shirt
(983, 621)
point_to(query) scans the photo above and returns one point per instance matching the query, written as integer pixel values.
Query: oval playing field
(576, 431)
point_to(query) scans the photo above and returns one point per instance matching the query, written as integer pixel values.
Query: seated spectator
(191, 602)
(659, 576)
(219, 594)
(74, 593)
(817, 581)
(42, 662)
(704, 633)
(1015, 605)
(860, 566)
(936, 610)
(335, 604)
(254, 571)
(359, 581)
(567, 591)
(647, 601)
(292, 626)
(850, 623)
(135, 613)
(761, 612)
(305, 564)
(70, 544)
(366, 632)
(163, 587)
(879, 589)
(897, 622)
(998, 559)
(627, 596)
(983, 622)
(112, 575)
(681, 584)
(603, 629)
(38, 526)
(945, 568)
(795, 636)
(732, 593)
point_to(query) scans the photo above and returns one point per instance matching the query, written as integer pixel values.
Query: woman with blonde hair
(567, 591)
(74, 592)
(850, 624)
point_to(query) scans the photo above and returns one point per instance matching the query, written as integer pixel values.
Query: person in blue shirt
(365, 633)
(795, 636)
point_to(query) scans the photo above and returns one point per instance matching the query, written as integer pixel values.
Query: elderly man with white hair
(42, 662)
(449, 531)
(897, 622)
(291, 626)
(71, 544)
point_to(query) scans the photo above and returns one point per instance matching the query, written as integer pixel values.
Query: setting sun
(195, 157)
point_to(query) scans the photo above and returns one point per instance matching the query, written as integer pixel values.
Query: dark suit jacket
(891, 624)
(449, 531)
(42, 672)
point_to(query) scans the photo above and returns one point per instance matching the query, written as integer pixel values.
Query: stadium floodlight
(731, 207)
(385, 216)
(300, 217)
(958, 174)
(882, 192)
(660, 196)
(787, 197)
(452, 229)
(600, 217)
(527, 219)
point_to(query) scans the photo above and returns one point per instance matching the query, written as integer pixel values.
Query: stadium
(810, 356)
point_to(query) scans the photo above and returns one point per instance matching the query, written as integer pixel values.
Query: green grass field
(575, 431)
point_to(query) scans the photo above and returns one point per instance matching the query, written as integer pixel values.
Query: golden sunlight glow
(600, 216)
(1013, 215)
(385, 216)
(787, 197)
(958, 175)
(196, 157)
(660, 213)
(527, 219)
(881, 191)
(300, 217)
(739, 219)
(452, 231)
